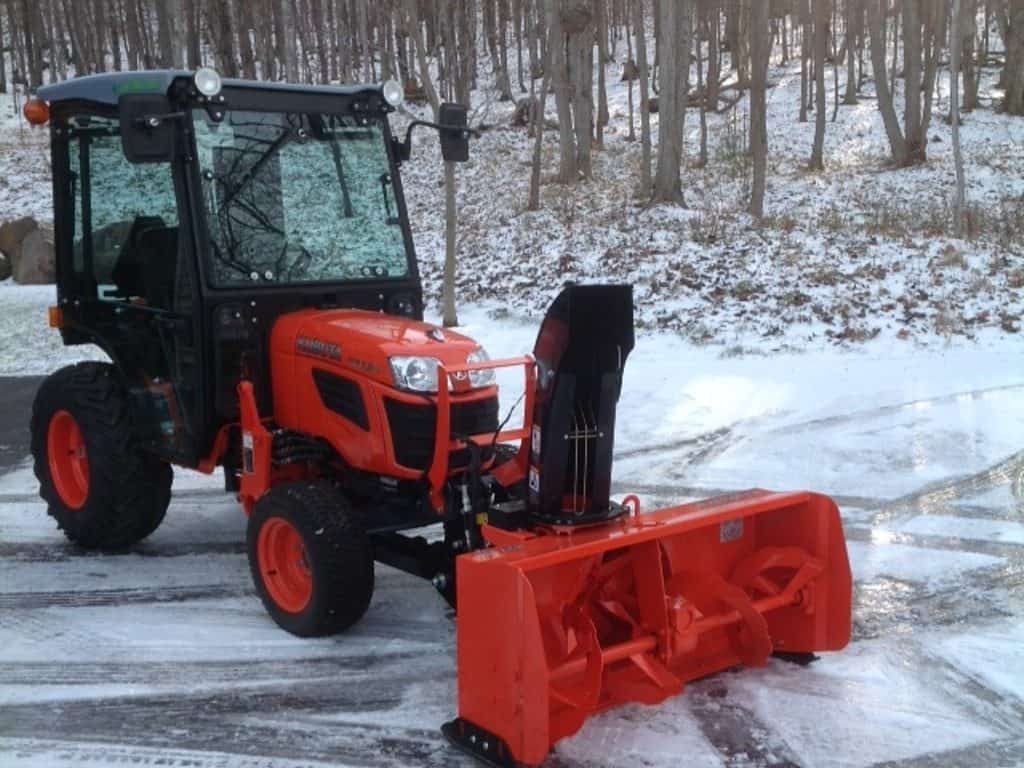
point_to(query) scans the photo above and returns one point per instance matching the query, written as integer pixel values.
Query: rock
(5, 267)
(34, 262)
(13, 232)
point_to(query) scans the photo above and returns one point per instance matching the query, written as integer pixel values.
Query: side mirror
(147, 127)
(454, 134)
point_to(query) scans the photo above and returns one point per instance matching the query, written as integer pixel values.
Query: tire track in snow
(128, 596)
(195, 673)
(734, 730)
(1009, 471)
(1004, 752)
(1002, 549)
(883, 410)
(275, 721)
(65, 551)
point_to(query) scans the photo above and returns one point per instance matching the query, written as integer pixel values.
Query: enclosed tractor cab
(242, 253)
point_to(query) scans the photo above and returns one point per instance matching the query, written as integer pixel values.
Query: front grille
(342, 396)
(412, 429)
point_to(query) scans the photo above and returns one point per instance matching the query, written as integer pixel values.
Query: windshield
(298, 198)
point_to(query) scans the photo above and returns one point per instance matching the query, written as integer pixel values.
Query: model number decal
(317, 348)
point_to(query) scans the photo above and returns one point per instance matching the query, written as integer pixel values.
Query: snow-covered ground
(164, 655)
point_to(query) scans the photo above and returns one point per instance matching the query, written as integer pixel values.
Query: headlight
(482, 378)
(418, 374)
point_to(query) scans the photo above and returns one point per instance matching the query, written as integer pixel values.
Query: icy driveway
(164, 656)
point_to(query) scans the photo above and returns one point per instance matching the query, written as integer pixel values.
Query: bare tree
(674, 55)
(645, 105)
(760, 53)
(854, 30)
(956, 43)
(1013, 70)
(921, 41)
(821, 18)
(557, 60)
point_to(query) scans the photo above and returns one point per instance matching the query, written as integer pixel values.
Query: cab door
(126, 276)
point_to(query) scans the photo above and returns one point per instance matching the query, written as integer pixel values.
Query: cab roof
(108, 87)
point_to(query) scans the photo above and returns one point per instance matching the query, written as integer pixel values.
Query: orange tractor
(242, 252)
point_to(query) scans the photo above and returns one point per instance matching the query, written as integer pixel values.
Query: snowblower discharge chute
(591, 604)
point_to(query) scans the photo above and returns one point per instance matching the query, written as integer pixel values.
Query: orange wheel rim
(284, 566)
(69, 463)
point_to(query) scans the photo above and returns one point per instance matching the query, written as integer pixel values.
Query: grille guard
(443, 444)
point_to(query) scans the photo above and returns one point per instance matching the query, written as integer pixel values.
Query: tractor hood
(362, 341)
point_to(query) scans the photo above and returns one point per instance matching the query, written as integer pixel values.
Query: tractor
(242, 253)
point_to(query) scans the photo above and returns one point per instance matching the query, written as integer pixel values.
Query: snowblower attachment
(592, 608)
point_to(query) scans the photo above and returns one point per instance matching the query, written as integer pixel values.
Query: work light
(207, 81)
(394, 94)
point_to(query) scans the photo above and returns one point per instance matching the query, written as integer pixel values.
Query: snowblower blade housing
(587, 608)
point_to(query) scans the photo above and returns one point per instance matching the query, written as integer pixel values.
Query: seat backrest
(159, 247)
(128, 272)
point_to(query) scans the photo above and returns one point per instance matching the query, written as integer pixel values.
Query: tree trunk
(674, 54)
(567, 170)
(956, 42)
(165, 35)
(805, 55)
(877, 32)
(821, 18)
(912, 122)
(246, 27)
(1013, 70)
(854, 18)
(645, 112)
(760, 53)
(222, 34)
(539, 103)
(602, 58)
(581, 75)
(968, 30)
(194, 55)
(3, 58)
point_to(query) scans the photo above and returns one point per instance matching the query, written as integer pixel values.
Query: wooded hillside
(790, 125)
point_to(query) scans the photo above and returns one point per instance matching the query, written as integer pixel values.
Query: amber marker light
(36, 111)
(56, 317)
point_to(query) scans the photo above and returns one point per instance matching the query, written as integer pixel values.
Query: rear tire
(101, 489)
(311, 559)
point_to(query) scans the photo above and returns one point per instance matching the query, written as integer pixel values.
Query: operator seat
(129, 271)
(159, 247)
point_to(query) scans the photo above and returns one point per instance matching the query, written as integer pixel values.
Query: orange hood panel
(363, 341)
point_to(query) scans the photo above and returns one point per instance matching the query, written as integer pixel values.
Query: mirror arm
(405, 147)
(155, 121)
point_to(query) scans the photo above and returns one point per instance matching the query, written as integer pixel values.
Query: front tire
(101, 489)
(311, 559)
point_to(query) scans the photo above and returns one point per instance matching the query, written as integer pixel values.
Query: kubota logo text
(318, 348)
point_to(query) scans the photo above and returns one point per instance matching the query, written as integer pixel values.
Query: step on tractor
(241, 251)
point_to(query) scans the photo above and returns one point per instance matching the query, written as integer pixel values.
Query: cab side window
(126, 222)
